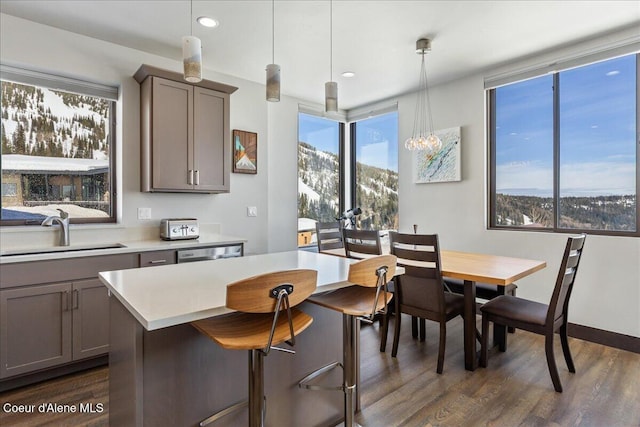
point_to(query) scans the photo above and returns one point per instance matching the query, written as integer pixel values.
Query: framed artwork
(443, 166)
(245, 152)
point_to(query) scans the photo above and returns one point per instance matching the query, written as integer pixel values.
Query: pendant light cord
(273, 32)
(191, 18)
(331, 40)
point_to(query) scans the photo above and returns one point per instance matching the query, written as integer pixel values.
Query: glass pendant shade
(192, 58)
(273, 82)
(331, 97)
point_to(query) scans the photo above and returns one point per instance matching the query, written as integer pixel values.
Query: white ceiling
(375, 39)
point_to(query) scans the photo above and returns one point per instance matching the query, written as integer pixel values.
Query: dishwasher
(209, 253)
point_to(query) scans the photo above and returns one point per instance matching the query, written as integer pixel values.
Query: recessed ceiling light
(348, 74)
(205, 21)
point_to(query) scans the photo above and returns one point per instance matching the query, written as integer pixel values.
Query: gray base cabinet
(54, 312)
(90, 317)
(35, 331)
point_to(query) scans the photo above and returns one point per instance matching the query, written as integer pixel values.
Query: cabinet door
(35, 328)
(172, 139)
(90, 304)
(211, 152)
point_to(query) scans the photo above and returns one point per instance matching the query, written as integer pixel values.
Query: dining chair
(329, 235)
(539, 318)
(361, 244)
(266, 316)
(420, 292)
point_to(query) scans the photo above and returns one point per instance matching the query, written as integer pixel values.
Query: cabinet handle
(75, 300)
(158, 261)
(197, 177)
(190, 177)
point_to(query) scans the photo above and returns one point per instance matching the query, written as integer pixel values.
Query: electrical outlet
(252, 211)
(144, 213)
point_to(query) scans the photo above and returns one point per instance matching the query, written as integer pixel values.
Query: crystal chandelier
(423, 138)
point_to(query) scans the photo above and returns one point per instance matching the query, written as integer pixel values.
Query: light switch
(144, 213)
(252, 211)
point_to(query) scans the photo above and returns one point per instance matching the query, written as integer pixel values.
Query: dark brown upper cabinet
(185, 136)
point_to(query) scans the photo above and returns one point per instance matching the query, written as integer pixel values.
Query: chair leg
(383, 331)
(484, 347)
(441, 348)
(551, 361)
(396, 334)
(414, 327)
(423, 329)
(565, 349)
(511, 329)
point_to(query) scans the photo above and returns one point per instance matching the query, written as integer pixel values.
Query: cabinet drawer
(156, 258)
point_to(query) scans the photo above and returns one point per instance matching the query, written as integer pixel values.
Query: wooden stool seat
(353, 300)
(249, 331)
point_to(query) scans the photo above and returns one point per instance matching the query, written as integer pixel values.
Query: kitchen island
(164, 372)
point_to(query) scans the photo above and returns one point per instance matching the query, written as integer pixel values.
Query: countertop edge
(129, 247)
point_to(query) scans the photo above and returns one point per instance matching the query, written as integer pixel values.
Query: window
(319, 184)
(57, 148)
(375, 162)
(563, 150)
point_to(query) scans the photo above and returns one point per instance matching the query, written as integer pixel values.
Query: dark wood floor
(515, 390)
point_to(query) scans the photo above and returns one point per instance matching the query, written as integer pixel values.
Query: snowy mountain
(50, 123)
(318, 189)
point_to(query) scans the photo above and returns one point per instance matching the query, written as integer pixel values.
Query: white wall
(24, 43)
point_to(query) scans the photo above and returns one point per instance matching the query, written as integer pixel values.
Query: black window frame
(491, 137)
(86, 88)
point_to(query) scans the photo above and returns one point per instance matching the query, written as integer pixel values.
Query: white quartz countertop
(84, 250)
(170, 295)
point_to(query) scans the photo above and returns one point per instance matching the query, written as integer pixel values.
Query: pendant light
(273, 70)
(331, 87)
(422, 137)
(192, 54)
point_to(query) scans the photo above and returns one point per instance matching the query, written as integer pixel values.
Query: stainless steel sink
(61, 249)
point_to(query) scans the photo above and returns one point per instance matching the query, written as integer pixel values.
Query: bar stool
(361, 302)
(257, 326)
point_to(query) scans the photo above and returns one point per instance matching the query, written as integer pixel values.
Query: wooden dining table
(478, 267)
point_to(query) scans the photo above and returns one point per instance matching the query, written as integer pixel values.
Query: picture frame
(245, 152)
(443, 166)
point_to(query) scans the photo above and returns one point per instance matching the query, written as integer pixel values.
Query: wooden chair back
(421, 286)
(329, 235)
(361, 244)
(558, 307)
(255, 294)
(363, 273)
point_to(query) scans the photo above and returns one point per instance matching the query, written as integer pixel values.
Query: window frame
(353, 149)
(79, 87)
(491, 138)
(341, 153)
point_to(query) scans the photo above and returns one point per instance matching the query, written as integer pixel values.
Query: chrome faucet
(63, 221)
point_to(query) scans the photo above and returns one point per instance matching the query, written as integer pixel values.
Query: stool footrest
(304, 383)
(224, 413)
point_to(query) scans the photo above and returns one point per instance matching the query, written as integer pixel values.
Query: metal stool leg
(350, 346)
(256, 388)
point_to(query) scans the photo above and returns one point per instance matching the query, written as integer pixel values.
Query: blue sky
(377, 138)
(597, 131)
